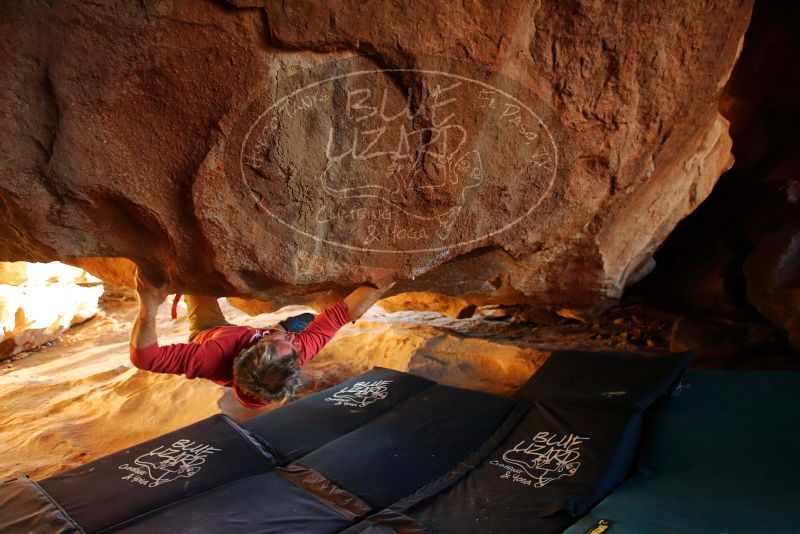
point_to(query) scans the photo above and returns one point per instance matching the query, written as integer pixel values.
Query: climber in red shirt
(260, 364)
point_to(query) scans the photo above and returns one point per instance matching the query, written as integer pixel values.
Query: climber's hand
(149, 295)
(385, 281)
(363, 297)
(143, 331)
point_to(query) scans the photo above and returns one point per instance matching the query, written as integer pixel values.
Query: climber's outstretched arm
(143, 333)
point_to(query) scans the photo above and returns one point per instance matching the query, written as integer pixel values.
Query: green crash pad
(721, 457)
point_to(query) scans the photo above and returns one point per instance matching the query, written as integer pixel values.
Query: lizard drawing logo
(547, 457)
(361, 394)
(182, 459)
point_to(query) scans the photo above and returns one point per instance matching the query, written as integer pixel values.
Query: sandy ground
(80, 398)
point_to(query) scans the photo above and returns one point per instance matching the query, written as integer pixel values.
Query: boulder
(739, 252)
(265, 149)
(772, 271)
(38, 302)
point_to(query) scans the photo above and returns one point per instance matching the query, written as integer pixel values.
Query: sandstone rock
(35, 274)
(735, 253)
(455, 307)
(42, 301)
(708, 339)
(318, 301)
(772, 271)
(115, 271)
(13, 273)
(580, 134)
(771, 195)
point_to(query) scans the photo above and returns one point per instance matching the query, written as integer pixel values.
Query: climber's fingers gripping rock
(148, 293)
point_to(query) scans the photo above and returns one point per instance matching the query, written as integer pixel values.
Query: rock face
(39, 301)
(265, 148)
(738, 255)
(773, 274)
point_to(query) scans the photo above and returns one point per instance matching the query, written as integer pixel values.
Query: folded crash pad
(571, 448)
(721, 457)
(25, 507)
(561, 459)
(158, 472)
(411, 445)
(630, 378)
(278, 502)
(306, 424)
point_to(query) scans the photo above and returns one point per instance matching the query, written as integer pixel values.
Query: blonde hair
(261, 374)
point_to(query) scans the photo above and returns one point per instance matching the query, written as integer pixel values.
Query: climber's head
(267, 371)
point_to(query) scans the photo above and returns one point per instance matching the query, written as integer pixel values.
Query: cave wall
(738, 255)
(121, 123)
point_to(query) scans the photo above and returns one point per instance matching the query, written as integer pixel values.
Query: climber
(260, 364)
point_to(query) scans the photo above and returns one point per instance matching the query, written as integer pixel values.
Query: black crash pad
(575, 444)
(559, 461)
(411, 445)
(268, 503)
(306, 424)
(158, 472)
(24, 507)
(412, 453)
(635, 379)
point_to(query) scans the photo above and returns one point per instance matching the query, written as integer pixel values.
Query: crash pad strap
(325, 491)
(393, 516)
(26, 507)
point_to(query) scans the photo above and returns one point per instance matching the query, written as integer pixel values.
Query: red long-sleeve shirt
(210, 355)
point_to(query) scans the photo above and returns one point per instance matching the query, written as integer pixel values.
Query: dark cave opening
(735, 260)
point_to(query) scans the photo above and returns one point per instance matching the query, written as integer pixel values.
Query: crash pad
(721, 457)
(576, 442)
(156, 473)
(306, 424)
(266, 503)
(411, 445)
